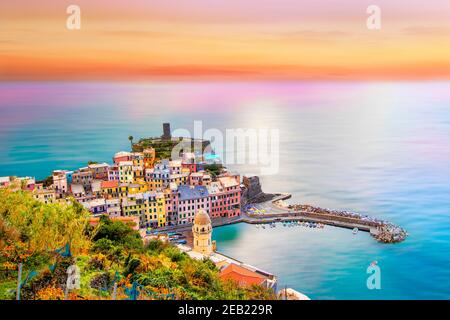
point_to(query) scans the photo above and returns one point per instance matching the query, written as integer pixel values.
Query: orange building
(110, 189)
(243, 276)
(149, 157)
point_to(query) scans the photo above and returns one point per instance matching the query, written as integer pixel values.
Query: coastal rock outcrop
(252, 191)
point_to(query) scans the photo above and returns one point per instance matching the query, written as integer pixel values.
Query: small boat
(355, 230)
(263, 227)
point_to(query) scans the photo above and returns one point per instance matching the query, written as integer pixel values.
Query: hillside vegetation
(48, 238)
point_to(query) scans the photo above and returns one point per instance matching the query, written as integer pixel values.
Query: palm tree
(131, 141)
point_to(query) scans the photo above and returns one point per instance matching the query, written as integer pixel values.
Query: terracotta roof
(110, 184)
(228, 182)
(241, 275)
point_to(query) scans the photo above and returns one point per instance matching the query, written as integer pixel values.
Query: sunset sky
(224, 39)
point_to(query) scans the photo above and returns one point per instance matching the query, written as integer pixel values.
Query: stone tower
(202, 231)
(166, 132)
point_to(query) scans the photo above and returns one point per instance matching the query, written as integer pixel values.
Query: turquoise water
(378, 148)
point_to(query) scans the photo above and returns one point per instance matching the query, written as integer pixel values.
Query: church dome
(201, 218)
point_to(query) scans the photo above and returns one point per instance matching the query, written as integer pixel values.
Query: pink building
(113, 173)
(225, 197)
(171, 198)
(122, 156)
(60, 183)
(99, 170)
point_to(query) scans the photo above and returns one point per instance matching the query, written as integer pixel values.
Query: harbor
(277, 211)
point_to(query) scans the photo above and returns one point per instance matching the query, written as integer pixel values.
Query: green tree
(120, 234)
(131, 141)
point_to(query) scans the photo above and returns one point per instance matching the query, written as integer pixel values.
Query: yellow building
(137, 188)
(134, 205)
(155, 211)
(110, 189)
(126, 172)
(161, 209)
(156, 184)
(123, 189)
(44, 195)
(138, 159)
(138, 173)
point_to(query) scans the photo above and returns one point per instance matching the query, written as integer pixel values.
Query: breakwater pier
(278, 211)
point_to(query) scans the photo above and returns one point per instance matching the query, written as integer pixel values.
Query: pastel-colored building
(122, 156)
(60, 184)
(175, 167)
(27, 183)
(149, 157)
(171, 195)
(96, 206)
(151, 209)
(138, 173)
(99, 170)
(126, 171)
(161, 209)
(43, 194)
(83, 176)
(138, 159)
(200, 178)
(79, 193)
(113, 208)
(134, 205)
(190, 200)
(96, 188)
(110, 189)
(192, 167)
(230, 203)
(113, 173)
(5, 182)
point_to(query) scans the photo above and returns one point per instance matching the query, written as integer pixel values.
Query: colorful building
(83, 176)
(149, 157)
(121, 156)
(155, 209)
(229, 204)
(126, 172)
(110, 189)
(5, 182)
(99, 170)
(190, 200)
(44, 195)
(113, 173)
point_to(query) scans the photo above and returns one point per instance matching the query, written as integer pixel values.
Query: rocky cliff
(252, 191)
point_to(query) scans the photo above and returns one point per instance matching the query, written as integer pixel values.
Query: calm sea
(378, 148)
